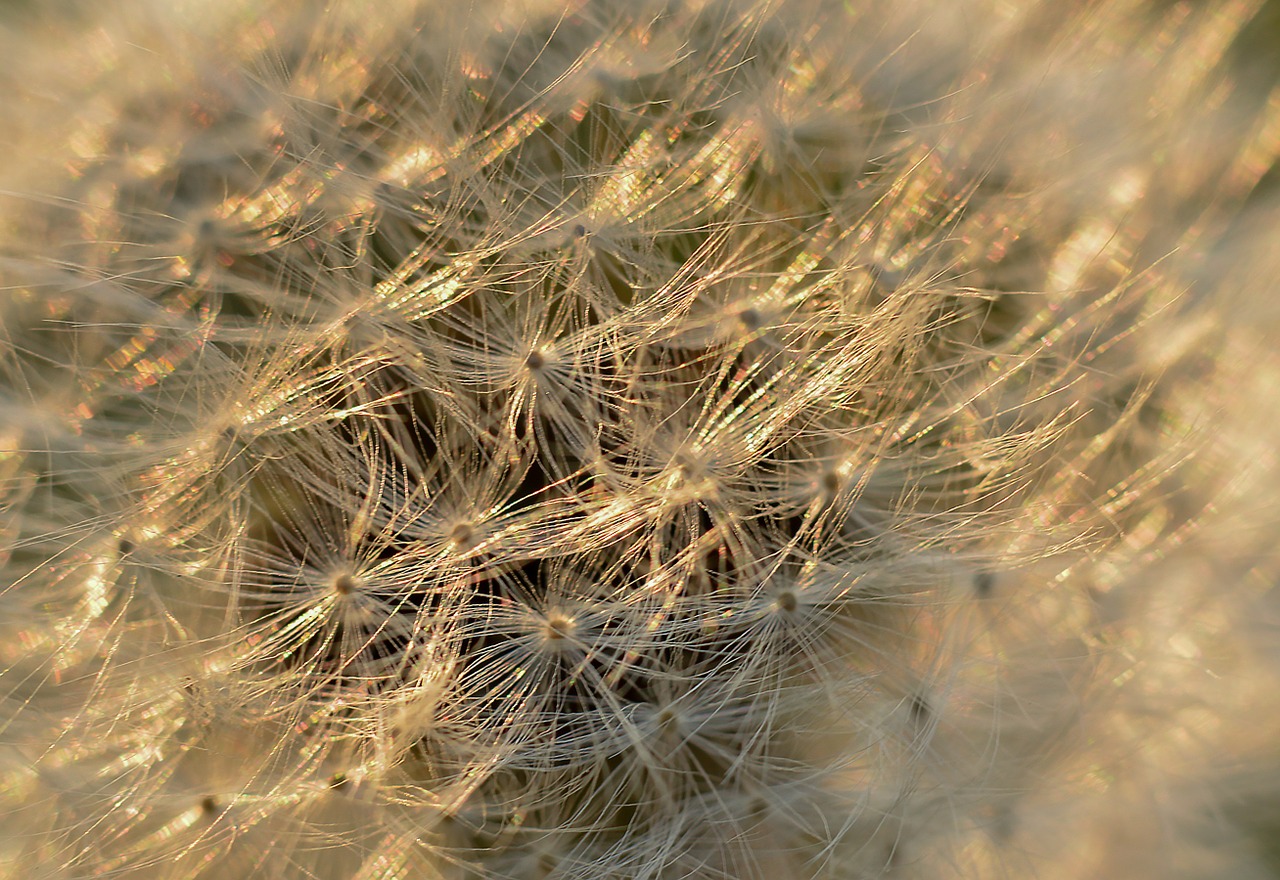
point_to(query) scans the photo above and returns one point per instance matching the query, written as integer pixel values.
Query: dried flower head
(714, 439)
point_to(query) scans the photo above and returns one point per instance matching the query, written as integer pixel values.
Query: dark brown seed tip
(345, 584)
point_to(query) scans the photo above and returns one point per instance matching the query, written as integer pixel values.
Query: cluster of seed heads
(595, 439)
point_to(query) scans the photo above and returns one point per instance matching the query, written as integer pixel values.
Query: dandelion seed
(787, 601)
(463, 535)
(345, 584)
(984, 583)
(919, 710)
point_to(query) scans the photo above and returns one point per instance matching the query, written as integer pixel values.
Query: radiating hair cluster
(715, 439)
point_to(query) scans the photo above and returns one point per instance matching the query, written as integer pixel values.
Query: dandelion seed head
(723, 439)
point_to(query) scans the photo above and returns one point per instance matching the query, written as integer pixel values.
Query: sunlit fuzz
(215, 426)
(532, 656)
(776, 830)
(432, 493)
(206, 758)
(696, 458)
(822, 622)
(699, 736)
(533, 364)
(678, 519)
(837, 474)
(720, 440)
(321, 596)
